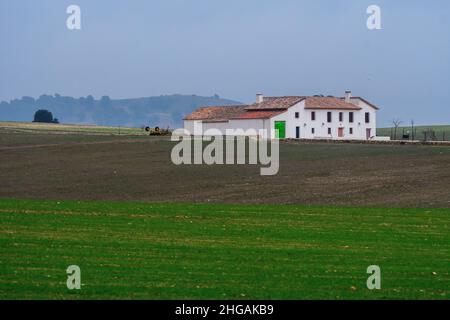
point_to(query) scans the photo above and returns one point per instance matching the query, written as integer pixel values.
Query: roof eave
(332, 108)
(255, 118)
(215, 121)
(365, 101)
(267, 109)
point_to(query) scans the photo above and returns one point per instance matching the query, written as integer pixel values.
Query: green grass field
(179, 251)
(442, 132)
(69, 128)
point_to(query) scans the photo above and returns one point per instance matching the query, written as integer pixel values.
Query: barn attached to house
(295, 117)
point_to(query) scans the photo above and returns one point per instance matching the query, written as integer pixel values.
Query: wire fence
(419, 134)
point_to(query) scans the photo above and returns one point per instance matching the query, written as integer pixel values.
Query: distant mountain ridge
(162, 111)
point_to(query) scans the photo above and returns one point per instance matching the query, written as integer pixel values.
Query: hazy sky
(134, 48)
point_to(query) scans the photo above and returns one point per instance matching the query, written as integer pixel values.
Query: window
(350, 117)
(297, 115)
(351, 130)
(329, 130)
(328, 116)
(367, 117)
(341, 116)
(297, 132)
(313, 115)
(312, 130)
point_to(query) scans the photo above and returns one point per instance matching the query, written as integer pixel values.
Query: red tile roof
(274, 103)
(216, 114)
(270, 107)
(329, 103)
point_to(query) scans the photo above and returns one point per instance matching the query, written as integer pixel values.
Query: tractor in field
(157, 131)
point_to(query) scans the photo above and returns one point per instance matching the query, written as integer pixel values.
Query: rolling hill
(163, 111)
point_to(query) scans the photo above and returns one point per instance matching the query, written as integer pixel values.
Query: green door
(281, 127)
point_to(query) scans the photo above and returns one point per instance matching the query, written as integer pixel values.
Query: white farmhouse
(296, 117)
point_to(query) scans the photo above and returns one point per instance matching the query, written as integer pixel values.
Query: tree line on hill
(162, 111)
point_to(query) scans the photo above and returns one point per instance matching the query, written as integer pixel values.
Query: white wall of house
(320, 128)
(244, 125)
(291, 121)
(189, 125)
(204, 126)
(221, 126)
(372, 125)
(248, 124)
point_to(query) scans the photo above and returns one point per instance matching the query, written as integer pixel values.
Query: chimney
(259, 98)
(348, 96)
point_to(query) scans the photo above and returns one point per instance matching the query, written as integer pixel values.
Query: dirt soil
(89, 167)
